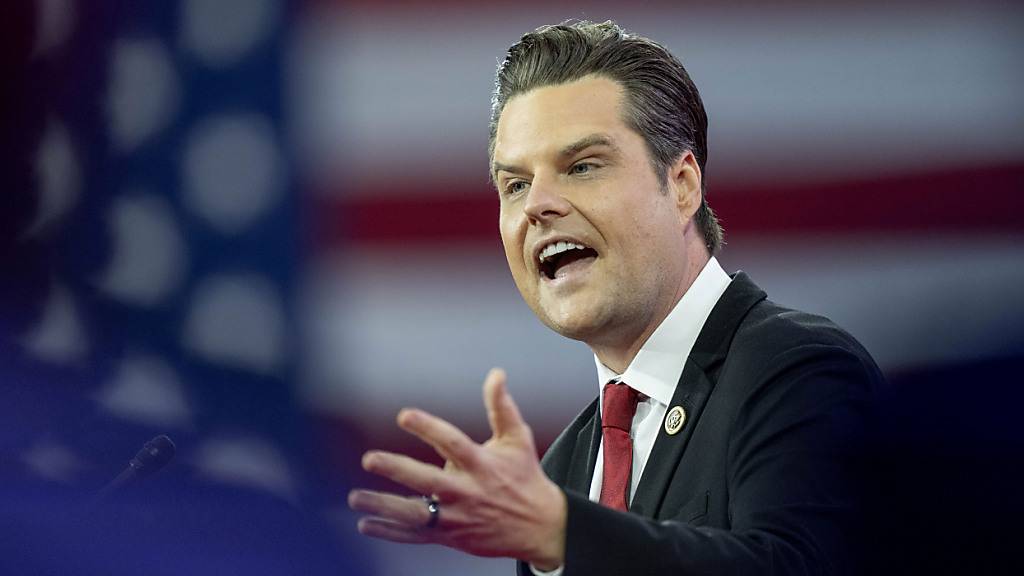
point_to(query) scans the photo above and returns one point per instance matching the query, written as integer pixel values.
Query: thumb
(502, 411)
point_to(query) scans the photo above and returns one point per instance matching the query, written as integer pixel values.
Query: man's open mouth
(560, 256)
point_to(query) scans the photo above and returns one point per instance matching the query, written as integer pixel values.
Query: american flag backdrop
(866, 160)
(152, 249)
(262, 227)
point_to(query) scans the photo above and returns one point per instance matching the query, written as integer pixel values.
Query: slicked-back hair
(661, 102)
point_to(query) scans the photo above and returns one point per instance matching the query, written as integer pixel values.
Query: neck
(618, 352)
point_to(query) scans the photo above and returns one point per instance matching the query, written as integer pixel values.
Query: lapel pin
(674, 420)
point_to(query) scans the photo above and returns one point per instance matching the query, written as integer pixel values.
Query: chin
(575, 325)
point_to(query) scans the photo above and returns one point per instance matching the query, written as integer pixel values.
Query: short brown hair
(662, 103)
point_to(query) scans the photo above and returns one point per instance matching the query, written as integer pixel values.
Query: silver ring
(434, 507)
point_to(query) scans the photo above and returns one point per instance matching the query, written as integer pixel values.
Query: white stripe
(389, 329)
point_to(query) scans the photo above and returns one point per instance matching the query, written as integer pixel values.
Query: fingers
(410, 511)
(502, 412)
(419, 476)
(387, 530)
(450, 442)
(494, 499)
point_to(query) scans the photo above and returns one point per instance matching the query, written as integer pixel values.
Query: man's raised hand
(494, 499)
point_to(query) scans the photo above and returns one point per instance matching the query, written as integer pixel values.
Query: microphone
(154, 455)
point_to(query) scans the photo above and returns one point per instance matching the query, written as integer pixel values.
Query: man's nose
(545, 201)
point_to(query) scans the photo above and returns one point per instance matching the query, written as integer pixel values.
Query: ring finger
(409, 510)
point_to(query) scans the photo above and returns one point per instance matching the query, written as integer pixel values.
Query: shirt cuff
(555, 572)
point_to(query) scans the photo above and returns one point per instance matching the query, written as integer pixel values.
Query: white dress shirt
(655, 371)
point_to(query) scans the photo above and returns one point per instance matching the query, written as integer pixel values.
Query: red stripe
(978, 199)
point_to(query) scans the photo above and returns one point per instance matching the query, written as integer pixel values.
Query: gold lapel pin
(674, 420)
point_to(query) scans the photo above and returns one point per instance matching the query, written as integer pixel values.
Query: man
(725, 427)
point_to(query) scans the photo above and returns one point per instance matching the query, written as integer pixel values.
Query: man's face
(593, 238)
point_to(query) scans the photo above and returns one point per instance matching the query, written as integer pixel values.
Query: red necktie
(617, 410)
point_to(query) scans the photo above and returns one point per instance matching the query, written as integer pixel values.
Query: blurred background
(262, 227)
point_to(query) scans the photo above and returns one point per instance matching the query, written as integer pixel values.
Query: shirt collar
(656, 369)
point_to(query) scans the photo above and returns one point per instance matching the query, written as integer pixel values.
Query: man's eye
(516, 186)
(582, 168)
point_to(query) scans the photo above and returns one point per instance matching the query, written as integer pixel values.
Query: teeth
(557, 248)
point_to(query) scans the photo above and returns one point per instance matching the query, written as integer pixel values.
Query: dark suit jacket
(760, 480)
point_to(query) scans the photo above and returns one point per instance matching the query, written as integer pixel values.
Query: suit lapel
(668, 449)
(581, 471)
(692, 391)
(569, 460)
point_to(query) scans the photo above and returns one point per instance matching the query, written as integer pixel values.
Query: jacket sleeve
(790, 477)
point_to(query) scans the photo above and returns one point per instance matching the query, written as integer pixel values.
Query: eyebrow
(570, 150)
(586, 142)
(499, 167)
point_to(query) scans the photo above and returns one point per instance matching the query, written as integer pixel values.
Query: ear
(684, 180)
